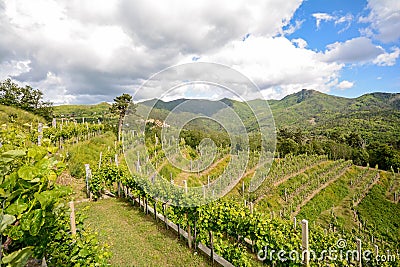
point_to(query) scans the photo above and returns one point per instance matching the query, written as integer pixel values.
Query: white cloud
(338, 20)
(387, 59)
(96, 50)
(300, 43)
(384, 19)
(277, 66)
(322, 17)
(345, 85)
(356, 50)
(293, 28)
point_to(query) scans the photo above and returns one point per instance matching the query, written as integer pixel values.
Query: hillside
(82, 111)
(377, 115)
(17, 116)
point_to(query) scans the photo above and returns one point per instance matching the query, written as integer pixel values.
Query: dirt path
(314, 193)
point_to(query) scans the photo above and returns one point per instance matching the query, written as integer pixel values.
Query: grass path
(319, 189)
(135, 239)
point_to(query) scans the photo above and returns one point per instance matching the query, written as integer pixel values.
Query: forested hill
(365, 129)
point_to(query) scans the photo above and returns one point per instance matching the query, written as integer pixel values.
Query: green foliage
(82, 249)
(33, 216)
(88, 152)
(377, 213)
(25, 98)
(120, 107)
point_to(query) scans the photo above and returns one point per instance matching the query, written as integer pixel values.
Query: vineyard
(339, 200)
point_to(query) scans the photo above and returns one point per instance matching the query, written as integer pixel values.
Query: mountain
(376, 115)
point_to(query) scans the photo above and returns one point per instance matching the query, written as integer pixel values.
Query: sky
(86, 52)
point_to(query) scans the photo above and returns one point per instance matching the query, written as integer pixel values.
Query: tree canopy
(26, 98)
(120, 107)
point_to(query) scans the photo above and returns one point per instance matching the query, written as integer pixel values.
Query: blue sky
(91, 51)
(366, 77)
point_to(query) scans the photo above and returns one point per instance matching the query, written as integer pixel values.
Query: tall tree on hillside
(120, 107)
(26, 98)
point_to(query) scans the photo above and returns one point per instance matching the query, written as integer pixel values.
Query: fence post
(72, 217)
(165, 215)
(40, 131)
(155, 210)
(359, 257)
(212, 247)
(189, 233)
(195, 235)
(88, 174)
(118, 182)
(101, 154)
(304, 242)
(185, 185)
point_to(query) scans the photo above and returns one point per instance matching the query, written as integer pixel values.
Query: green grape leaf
(37, 152)
(19, 257)
(11, 154)
(37, 221)
(27, 172)
(6, 220)
(17, 207)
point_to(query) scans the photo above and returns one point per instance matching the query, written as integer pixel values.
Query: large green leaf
(6, 220)
(37, 222)
(27, 172)
(37, 152)
(46, 198)
(17, 207)
(19, 257)
(11, 155)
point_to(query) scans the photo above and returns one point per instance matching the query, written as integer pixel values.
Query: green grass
(380, 214)
(82, 110)
(88, 152)
(328, 197)
(18, 116)
(135, 239)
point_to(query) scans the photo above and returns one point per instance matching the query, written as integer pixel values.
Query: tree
(26, 98)
(120, 107)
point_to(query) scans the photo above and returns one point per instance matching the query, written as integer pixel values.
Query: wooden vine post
(40, 132)
(304, 243)
(118, 182)
(359, 251)
(212, 248)
(88, 176)
(72, 218)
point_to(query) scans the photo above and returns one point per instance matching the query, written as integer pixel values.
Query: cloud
(384, 19)
(347, 19)
(354, 51)
(86, 51)
(300, 43)
(345, 85)
(277, 66)
(387, 59)
(338, 20)
(322, 17)
(293, 28)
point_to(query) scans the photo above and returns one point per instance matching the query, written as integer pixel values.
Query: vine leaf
(17, 207)
(27, 173)
(6, 220)
(19, 257)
